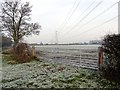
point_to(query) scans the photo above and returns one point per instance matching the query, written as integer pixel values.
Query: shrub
(111, 49)
(23, 52)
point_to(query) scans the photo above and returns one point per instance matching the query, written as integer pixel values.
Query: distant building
(95, 42)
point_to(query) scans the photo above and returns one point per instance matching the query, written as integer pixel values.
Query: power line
(97, 26)
(66, 21)
(99, 15)
(84, 17)
(69, 13)
(85, 10)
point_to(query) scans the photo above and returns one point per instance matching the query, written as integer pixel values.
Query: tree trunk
(16, 41)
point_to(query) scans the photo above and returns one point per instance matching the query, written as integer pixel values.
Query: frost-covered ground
(74, 55)
(44, 74)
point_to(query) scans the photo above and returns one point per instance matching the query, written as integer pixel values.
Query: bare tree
(15, 19)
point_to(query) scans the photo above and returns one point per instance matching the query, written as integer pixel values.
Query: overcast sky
(51, 15)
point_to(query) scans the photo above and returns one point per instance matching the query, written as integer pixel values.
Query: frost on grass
(46, 75)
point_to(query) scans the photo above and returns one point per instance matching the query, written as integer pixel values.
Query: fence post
(100, 56)
(33, 51)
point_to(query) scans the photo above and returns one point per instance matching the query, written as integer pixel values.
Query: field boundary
(85, 58)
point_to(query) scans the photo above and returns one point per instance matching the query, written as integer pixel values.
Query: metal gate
(85, 58)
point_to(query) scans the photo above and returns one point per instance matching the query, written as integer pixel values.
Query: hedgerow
(111, 49)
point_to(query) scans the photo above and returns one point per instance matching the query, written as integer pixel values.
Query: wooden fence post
(100, 56)
(33, 51)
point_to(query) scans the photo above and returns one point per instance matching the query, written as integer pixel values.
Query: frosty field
(75, 55)
(45, 73)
